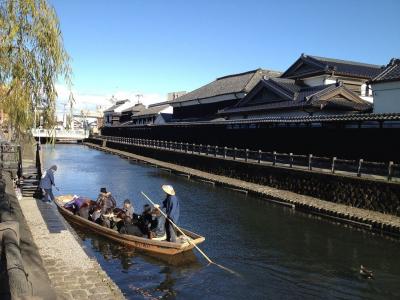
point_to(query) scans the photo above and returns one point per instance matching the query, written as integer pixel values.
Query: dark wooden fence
(379, 170)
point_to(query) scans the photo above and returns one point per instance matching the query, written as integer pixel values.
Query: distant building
(315, 71)
(112, 114)
(174, 95)
(159, 113)
(204, 102)
(282, 97)
(386, 89)
(126, 114)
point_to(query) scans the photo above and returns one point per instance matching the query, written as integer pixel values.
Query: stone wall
(377, 195)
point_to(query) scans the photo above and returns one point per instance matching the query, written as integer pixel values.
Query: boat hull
(144, 244)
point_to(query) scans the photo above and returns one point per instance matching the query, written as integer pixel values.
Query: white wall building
(112, 114)
(386, 89)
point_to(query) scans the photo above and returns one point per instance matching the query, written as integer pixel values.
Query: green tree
(32, 59)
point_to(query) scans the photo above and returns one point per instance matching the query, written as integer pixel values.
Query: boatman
(171, 206)
(47, 182)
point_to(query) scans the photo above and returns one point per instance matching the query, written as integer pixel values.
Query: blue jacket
(171, 205)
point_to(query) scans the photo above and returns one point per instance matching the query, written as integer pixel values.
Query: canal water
(277, 252)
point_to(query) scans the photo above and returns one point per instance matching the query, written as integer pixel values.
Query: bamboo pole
(189, 239)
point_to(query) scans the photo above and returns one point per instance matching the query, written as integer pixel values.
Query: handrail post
(246, 157)
(234, 153)
(310, 161)
(359, 167)
(390, 171)
(333, 165)
(208, 149)
(216, 151)
(259, 156)
(225, 151)
(274, 158)
(181, 146)
(291, 159)
(200, 148)
(19, 173)
(187, 147)
(193, 147)
(38, 162)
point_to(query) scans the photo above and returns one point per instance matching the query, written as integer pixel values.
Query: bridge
(60, 135)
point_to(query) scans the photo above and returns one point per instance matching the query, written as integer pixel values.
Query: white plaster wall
(123, 106)
(315, 81)
(386, 97)
(330, 80)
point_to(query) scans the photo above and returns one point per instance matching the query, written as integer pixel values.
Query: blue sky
(154, 47)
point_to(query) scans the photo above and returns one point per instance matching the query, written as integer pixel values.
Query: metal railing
(389, 170)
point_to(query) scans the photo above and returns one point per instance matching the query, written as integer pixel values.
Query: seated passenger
(79, 206)
(146, 220)
(96, 215)
(158, 224)
(128, 208)
(106, 200)
(129, 227)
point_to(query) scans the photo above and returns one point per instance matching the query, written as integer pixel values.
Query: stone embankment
(72, 273)
(372, 220)
(53, 258)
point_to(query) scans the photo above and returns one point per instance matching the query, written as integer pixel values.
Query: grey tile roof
(390, 73)
(134, 108)
(292, 95)
(351, 117)
(235, 83)
(324, 65)
(150, 111)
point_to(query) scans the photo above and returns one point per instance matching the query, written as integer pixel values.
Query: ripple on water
(279, 253)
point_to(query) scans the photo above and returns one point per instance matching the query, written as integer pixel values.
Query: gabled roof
(390, 73)
(116, 105)
(235, 83)
(135, 108)
(150, 111)
(309, 65)
(286, 94)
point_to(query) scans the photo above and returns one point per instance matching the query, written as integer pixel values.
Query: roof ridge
(238, 74)
(277, 87)
(327, 59)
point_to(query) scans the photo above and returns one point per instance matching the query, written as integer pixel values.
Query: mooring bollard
(310, 162)
(333, 165)
(274, 158)
(259, 156)
(390, 170)
(359, 167)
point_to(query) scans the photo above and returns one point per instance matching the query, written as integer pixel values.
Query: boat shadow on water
(113, 250)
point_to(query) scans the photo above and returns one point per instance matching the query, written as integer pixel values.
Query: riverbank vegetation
(32, 59)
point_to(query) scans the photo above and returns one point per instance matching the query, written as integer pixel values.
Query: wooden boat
(145, 244)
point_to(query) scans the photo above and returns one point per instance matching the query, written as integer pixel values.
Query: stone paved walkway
(72, 272)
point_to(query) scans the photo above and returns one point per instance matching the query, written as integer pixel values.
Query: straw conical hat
(168, 189)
